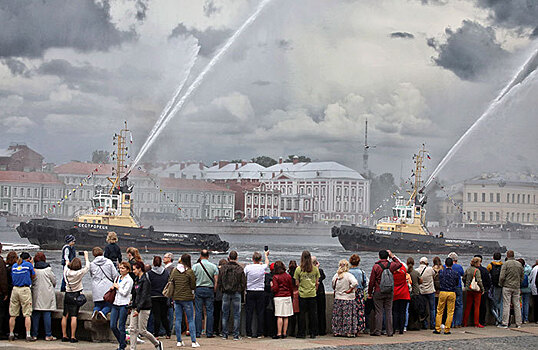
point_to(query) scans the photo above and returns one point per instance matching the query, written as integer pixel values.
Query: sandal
(51, 338)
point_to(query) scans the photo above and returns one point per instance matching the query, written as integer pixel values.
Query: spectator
(134, 256)
(437, 266)
(206, 274)
(382, 301)
(218, 303)
(525, 291)
(427, 289)
(345, 317)
(307, 279)
(269, 321)
(255, 274)
(458, 310)
(416, 300)
(112, 251)
(73, 273)
(533, 281)
(486, 281)
(22, 274)
(68, 254)
(4, 295)
(232, 283)
(320, 299)
(141, 306)
(494, 269)
(11, 259)
(184, 285)
(401, 298)
(362, 284)
(158, 277)
(103, 272)
(282, 287)
(473, 297)
(118, 316)
(43, 296)
(510, 279)
(168, 263)
(292, 322)
(448, 282)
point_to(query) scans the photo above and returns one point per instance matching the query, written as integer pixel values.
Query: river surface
(285, 248)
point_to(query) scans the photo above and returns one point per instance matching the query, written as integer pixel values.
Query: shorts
(21, 297)
(70, 307)
(283, 307)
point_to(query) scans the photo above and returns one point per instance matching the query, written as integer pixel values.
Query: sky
(301, 80)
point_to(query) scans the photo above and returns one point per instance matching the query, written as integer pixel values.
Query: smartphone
(266, 248)
(81, 253)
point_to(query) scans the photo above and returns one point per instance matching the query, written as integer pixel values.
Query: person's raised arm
(267, 257)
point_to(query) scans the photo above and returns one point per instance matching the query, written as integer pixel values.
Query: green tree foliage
(101, 157)
(302, 159)
(264, 161)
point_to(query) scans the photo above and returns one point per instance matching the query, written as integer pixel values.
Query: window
(36, 194)
(483, 197)
(6, 191)
(490, 216)
(528, 199)
(353, 192)
(338, 190)
(497, 216)
(491, 197)
(22, 194)
(468, 196)
(475, 197)
(345, 191)
(475, 216)
(255, 199)
(518, 198)
(248, 200)
(262, 200)
(528, 217)
(522, 199)
(513, 197)
(498, 197)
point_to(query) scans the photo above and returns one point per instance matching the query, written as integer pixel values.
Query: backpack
(386, 285)
(525, 283)
(229, 280)
(495, 274)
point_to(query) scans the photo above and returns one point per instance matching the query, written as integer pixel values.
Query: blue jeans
(458, 309)
(525, 306)
(189, 311)
(102, 306)
(204, 296)
(497, 304)
(228, 299)
(36, 316)
(118, 316)
(431, 303)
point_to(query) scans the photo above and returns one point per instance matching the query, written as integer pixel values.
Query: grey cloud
(434, 2)
(261, 82)
(431, 42)
(470, 51)
(208, 40)
(534, 33)
(84, 78)
(210, 8)
(141, 7)
(284, 44)
(402, 35)
(512, 14)
(16, 66)
(31, 27)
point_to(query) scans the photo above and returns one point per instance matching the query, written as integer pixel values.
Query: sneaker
(224, 337)
(436, 332)
(11, 337)
(249, 336)
(180, 343)
(31, 339)
(195, 345)
(259, 337)
(159, 346)
(405, 329)
(502, 326)
(237, 338)
(448, 332)
(518, 327)
(479, 326)
(101, 316)
(94, 315)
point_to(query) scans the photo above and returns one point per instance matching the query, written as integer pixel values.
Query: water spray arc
(199, 79)
(530, 66)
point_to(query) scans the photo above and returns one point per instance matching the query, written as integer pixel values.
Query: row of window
(496, 217)
(294, 204)
(317, 190)
(519, 198)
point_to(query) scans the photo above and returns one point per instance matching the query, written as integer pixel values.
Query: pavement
(490, 337)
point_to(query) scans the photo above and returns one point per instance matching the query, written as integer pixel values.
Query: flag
(428, 156)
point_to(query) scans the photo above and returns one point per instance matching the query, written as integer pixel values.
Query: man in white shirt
(168, 262)
(427, 288)
(255, 299)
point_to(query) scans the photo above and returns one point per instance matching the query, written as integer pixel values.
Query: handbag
(110, 295)
(474, 285)
(168, 290)
(80, 299)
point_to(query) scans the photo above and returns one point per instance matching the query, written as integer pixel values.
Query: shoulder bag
(474, 285)
(168, 290)
(207, 273)
(110, 295)
(78, 300)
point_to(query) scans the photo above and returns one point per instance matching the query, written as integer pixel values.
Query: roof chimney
(243, 162)
(295, 159)
(215, 163)
(236, 166)
(279, 160)
(181, 165)
(201, 165)
(223, 163)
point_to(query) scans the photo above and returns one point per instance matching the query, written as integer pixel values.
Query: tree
(101, 157)
(264, 161)
(302, 159)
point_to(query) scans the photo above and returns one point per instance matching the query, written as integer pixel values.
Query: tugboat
(111, 211)
(405, 231)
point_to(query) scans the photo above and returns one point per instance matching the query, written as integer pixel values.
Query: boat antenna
(120, 140)
(366, 148)
(417, 186)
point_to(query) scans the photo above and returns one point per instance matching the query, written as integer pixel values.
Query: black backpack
(495, 274)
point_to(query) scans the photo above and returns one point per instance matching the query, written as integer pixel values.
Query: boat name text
(99, 227)
(457, 241)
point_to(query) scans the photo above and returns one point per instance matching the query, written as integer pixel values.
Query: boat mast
(418, 158)
(119, 139)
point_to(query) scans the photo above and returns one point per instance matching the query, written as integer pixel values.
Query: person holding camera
(73, 273)
(255, 298)
(68, 254)
(22, 273)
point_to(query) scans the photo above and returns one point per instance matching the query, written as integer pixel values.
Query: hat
(272, 266)
(424, 260)
(25, 255)
(453, 256)
(69, 239)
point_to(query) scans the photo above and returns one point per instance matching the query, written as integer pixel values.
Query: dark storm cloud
(208, 39)
(16, 66)
(141, 7)
(470, 51)
(534, 33)
(67, 71)
(514, 13)
(402, 35)
(31, 27)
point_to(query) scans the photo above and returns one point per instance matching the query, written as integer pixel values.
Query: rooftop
(189, 184)
(29, 177)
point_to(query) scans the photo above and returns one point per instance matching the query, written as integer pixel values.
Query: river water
(285, 248)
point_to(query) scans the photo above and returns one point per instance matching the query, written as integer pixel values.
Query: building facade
(19, 157)
(500, 200)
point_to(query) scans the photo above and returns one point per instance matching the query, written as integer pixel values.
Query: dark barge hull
(361, 238)
(49, 234)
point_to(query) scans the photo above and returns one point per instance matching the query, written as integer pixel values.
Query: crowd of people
(150, 300)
